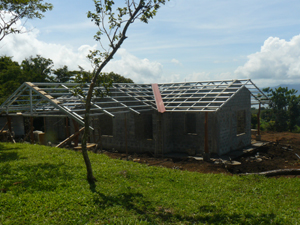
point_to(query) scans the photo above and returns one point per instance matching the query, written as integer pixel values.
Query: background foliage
(40, 69)
(283, 113)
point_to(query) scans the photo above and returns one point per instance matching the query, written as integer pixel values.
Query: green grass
(43, 185)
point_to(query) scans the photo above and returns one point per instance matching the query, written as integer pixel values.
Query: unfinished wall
(159, 133)
(17, 124)
(140, 133)
(188, 133)
(234, 121)
(55, 129)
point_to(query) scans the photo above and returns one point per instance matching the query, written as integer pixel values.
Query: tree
(10, 73)
(63, 75)
(11, 11)
(284, 108)
(113, 23)
(82, 76)
(37, 69)
(115, 78)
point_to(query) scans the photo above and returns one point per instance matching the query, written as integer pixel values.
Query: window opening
(148, 126)
(106, 125)
(190, 123)
(241, 122)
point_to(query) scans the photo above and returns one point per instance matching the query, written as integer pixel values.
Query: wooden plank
(73, 136)
(55, 101)
(30, 84)
(3, 128)
(43, 92)
(36, 88)
(88, 146)
(49, 96)
(158, 99)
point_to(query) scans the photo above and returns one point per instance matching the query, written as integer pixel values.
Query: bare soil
(280, 153)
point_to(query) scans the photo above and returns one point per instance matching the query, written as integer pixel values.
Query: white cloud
(205, 76)
(201, 76)
(139, 70)
(277, 62)
(22, 46)
(175, 61)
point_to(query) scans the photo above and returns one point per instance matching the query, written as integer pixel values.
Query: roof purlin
(201, 96)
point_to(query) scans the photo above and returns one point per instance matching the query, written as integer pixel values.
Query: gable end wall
(227, 120)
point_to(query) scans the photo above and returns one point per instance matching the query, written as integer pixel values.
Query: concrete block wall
(167, 132)
(184, 142)
(55, 129)
(227, 118)
(136, 141)
(17, 124)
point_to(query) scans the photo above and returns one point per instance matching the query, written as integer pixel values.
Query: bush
(297, 129)
(267, 126)
(254, 121)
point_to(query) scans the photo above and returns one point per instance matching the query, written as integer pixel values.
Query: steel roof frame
(58, 99)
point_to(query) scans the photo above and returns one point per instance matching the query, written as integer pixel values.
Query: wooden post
(9, 124)
(67, 130)
(258, 136)
(162, 134)
(76, 131)
(206, 155)
(125, 124)
(10, 129)
(67, 127)
(258, 120)
(31, 131)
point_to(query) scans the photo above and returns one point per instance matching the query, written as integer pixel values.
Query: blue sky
(188, 40)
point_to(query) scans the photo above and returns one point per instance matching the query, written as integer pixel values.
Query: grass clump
(43, 185)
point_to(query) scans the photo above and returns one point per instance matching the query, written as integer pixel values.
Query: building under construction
(190, 117)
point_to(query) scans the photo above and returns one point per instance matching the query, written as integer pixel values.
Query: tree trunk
(97, 72)
(276, 172)
(90, 176)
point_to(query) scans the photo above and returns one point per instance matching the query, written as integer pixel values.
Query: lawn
(44, 185)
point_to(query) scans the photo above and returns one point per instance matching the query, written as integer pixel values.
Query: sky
(188, 40)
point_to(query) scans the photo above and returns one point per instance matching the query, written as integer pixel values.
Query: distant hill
(290, 86)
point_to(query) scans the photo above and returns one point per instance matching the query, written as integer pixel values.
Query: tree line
(40, 69)
(283, 112)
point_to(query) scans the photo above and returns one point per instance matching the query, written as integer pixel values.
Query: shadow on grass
(39, 177)
(3, 147)
(8, 154)
(155, 214)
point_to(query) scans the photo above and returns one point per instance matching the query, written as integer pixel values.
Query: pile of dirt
(283, 152)
(272, 156)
